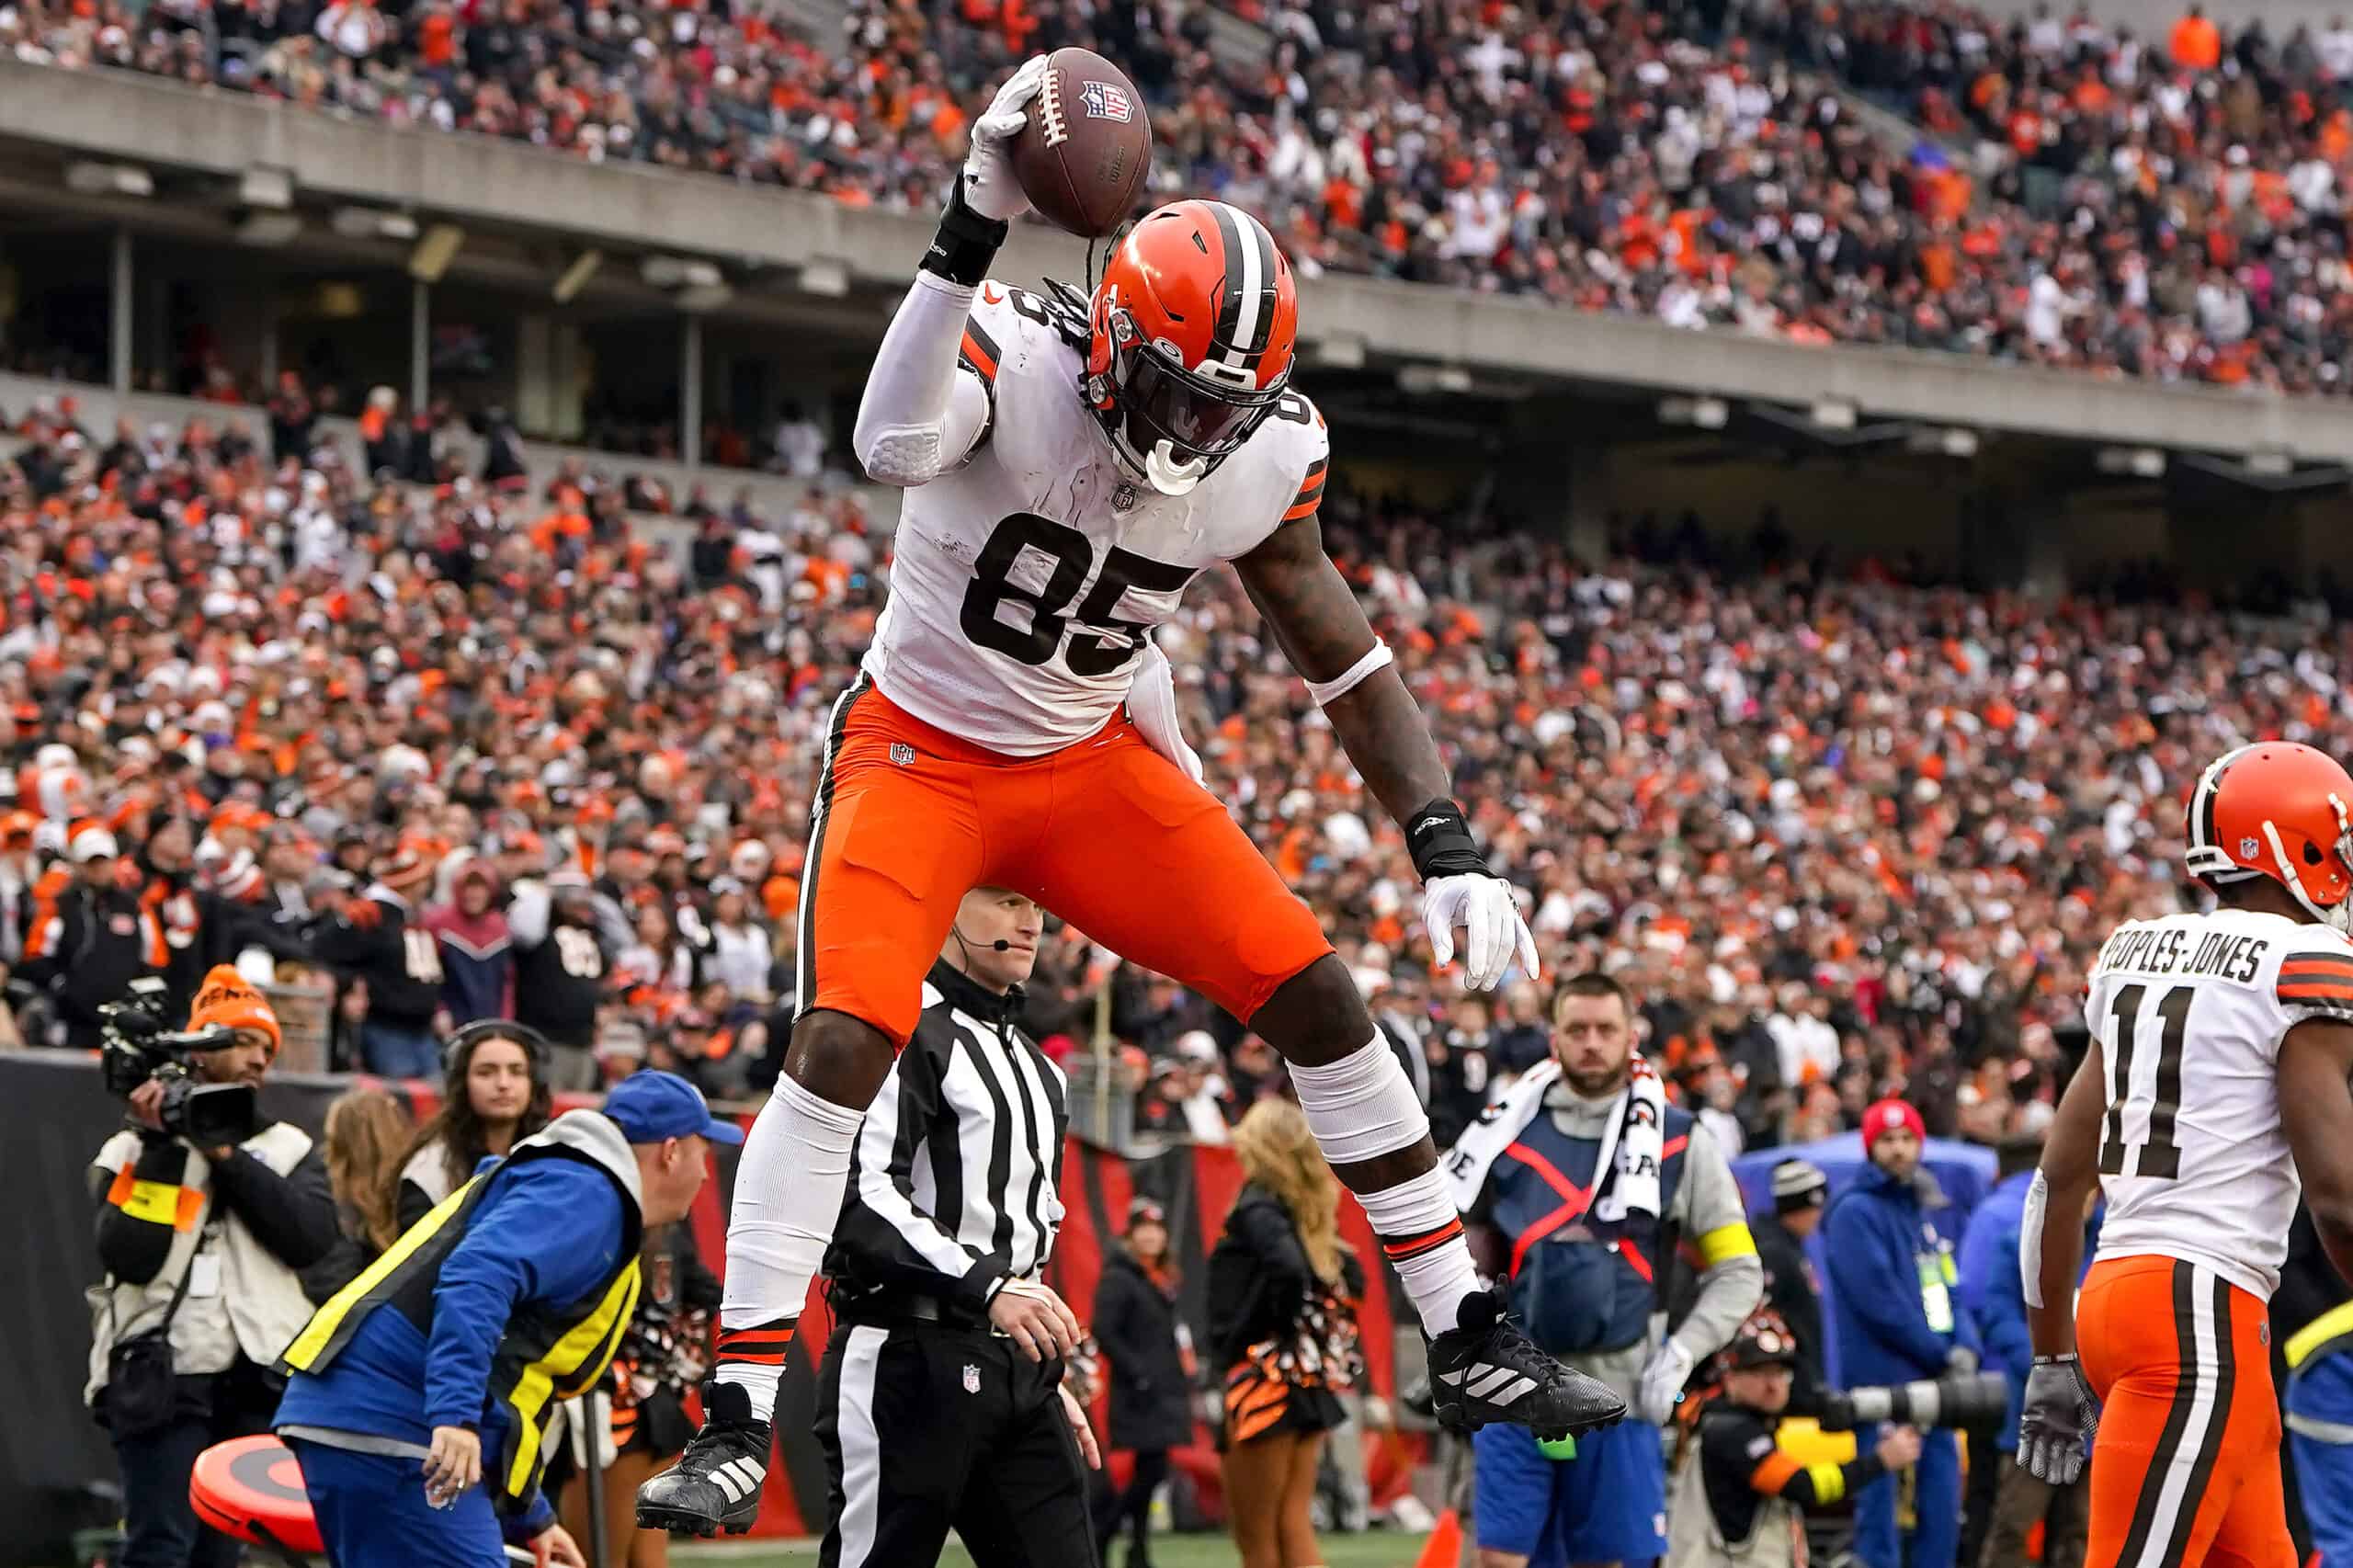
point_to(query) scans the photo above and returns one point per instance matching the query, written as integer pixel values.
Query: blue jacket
(1883, 1256)
(1992, 1296)
(548, 1232)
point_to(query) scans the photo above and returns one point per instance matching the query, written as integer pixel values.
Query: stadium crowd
(1846, 836)
(1690, 159)
(2190, 192)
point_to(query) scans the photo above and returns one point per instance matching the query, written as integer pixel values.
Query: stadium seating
(2135, 216)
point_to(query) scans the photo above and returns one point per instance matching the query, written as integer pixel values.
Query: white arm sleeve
(919, 416)
(2038, 1199)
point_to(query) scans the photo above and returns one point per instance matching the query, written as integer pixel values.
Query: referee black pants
(927, 1428)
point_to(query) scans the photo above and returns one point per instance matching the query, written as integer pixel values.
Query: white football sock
(788, 1190)
(1361, 1108)
(1422, 1237)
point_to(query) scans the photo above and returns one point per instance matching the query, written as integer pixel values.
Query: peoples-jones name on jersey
(2220, 955)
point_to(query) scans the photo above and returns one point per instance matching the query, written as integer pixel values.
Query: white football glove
(1492, 930)
(990, 188)
(1662, 1384)
(1152, 703)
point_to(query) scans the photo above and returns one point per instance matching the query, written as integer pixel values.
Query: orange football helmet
(1189, 339)
(2280, 809)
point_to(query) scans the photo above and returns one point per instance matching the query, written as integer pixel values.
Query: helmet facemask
(1174, 425)
(2339, 914)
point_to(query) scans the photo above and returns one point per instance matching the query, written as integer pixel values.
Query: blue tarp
(1965, 1171)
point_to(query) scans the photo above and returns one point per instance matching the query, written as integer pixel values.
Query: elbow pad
(905, 457)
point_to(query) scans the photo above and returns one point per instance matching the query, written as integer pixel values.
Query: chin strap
(1169, 476)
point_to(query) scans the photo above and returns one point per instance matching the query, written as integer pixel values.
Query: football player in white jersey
(1071, 465)
(2221, 1046)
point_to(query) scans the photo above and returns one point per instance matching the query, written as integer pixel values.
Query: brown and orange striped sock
(752, 1357)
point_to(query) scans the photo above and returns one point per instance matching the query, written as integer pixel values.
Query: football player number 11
(2159, 1156)
(1110, 641)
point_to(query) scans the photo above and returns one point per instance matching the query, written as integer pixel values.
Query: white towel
(1637, 1137)
(1634, 1139)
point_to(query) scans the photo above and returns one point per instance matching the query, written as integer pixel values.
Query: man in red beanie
(1892, 1296)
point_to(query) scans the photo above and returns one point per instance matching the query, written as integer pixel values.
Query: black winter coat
(1135, 1323)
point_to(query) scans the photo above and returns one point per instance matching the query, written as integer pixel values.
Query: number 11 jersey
(1024, 580)
(2189, 1011)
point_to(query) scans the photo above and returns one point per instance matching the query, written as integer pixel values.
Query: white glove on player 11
(1662, 1385)
(990, 188)
(1152, 703)
(1493, 930)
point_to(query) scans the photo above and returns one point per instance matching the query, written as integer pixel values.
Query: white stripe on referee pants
(2200, 1431)
(861, 1446)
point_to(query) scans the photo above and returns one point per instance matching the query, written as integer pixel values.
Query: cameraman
(1741, 1500)
(200, 1247)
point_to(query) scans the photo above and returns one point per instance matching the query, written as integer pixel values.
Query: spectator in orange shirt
(2197, 44)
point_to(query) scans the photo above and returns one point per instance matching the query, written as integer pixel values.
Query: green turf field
(1381, 1548)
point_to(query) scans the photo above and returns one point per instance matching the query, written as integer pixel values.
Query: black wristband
(1440, 837)
(966, 242)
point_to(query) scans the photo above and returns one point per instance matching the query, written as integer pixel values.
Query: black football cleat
(716, 1484)
(1485, 1372)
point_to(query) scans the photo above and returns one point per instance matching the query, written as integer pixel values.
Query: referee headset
(955, 929)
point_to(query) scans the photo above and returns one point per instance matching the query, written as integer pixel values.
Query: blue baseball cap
(651, 1107)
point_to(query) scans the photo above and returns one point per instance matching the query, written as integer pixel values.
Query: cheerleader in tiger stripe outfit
(664, 1353)
(1284, 1296)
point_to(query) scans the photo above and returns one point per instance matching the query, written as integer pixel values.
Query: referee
(940, 1404)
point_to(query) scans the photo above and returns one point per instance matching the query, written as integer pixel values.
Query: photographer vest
(1694, 1539)
(1582, 1284)
(257, 1305)
(549, 1353)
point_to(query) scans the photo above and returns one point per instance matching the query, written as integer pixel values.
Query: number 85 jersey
(2189, 1011)
(1026, 579)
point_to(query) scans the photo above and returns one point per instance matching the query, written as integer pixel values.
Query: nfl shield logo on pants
(903, 754)
(972, 1378)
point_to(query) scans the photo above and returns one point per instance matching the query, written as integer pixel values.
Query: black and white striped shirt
(953, 1182)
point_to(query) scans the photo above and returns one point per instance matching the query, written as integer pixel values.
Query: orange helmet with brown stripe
(1189, 339)
(2281, 810)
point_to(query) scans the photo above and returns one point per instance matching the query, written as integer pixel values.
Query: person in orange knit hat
(228, 999)
(202, 1246)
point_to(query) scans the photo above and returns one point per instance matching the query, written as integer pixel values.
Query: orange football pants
(1105, 833)
(2184, 1470)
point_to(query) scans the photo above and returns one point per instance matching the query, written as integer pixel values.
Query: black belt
(900, 1309)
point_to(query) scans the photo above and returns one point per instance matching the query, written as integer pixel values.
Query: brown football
(1083, 158)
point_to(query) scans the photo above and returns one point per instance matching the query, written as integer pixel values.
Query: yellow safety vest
(2322, 1332)
(548, 1353)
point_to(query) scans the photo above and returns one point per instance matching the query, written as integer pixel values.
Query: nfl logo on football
(1104, 100)
(972, 1378)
